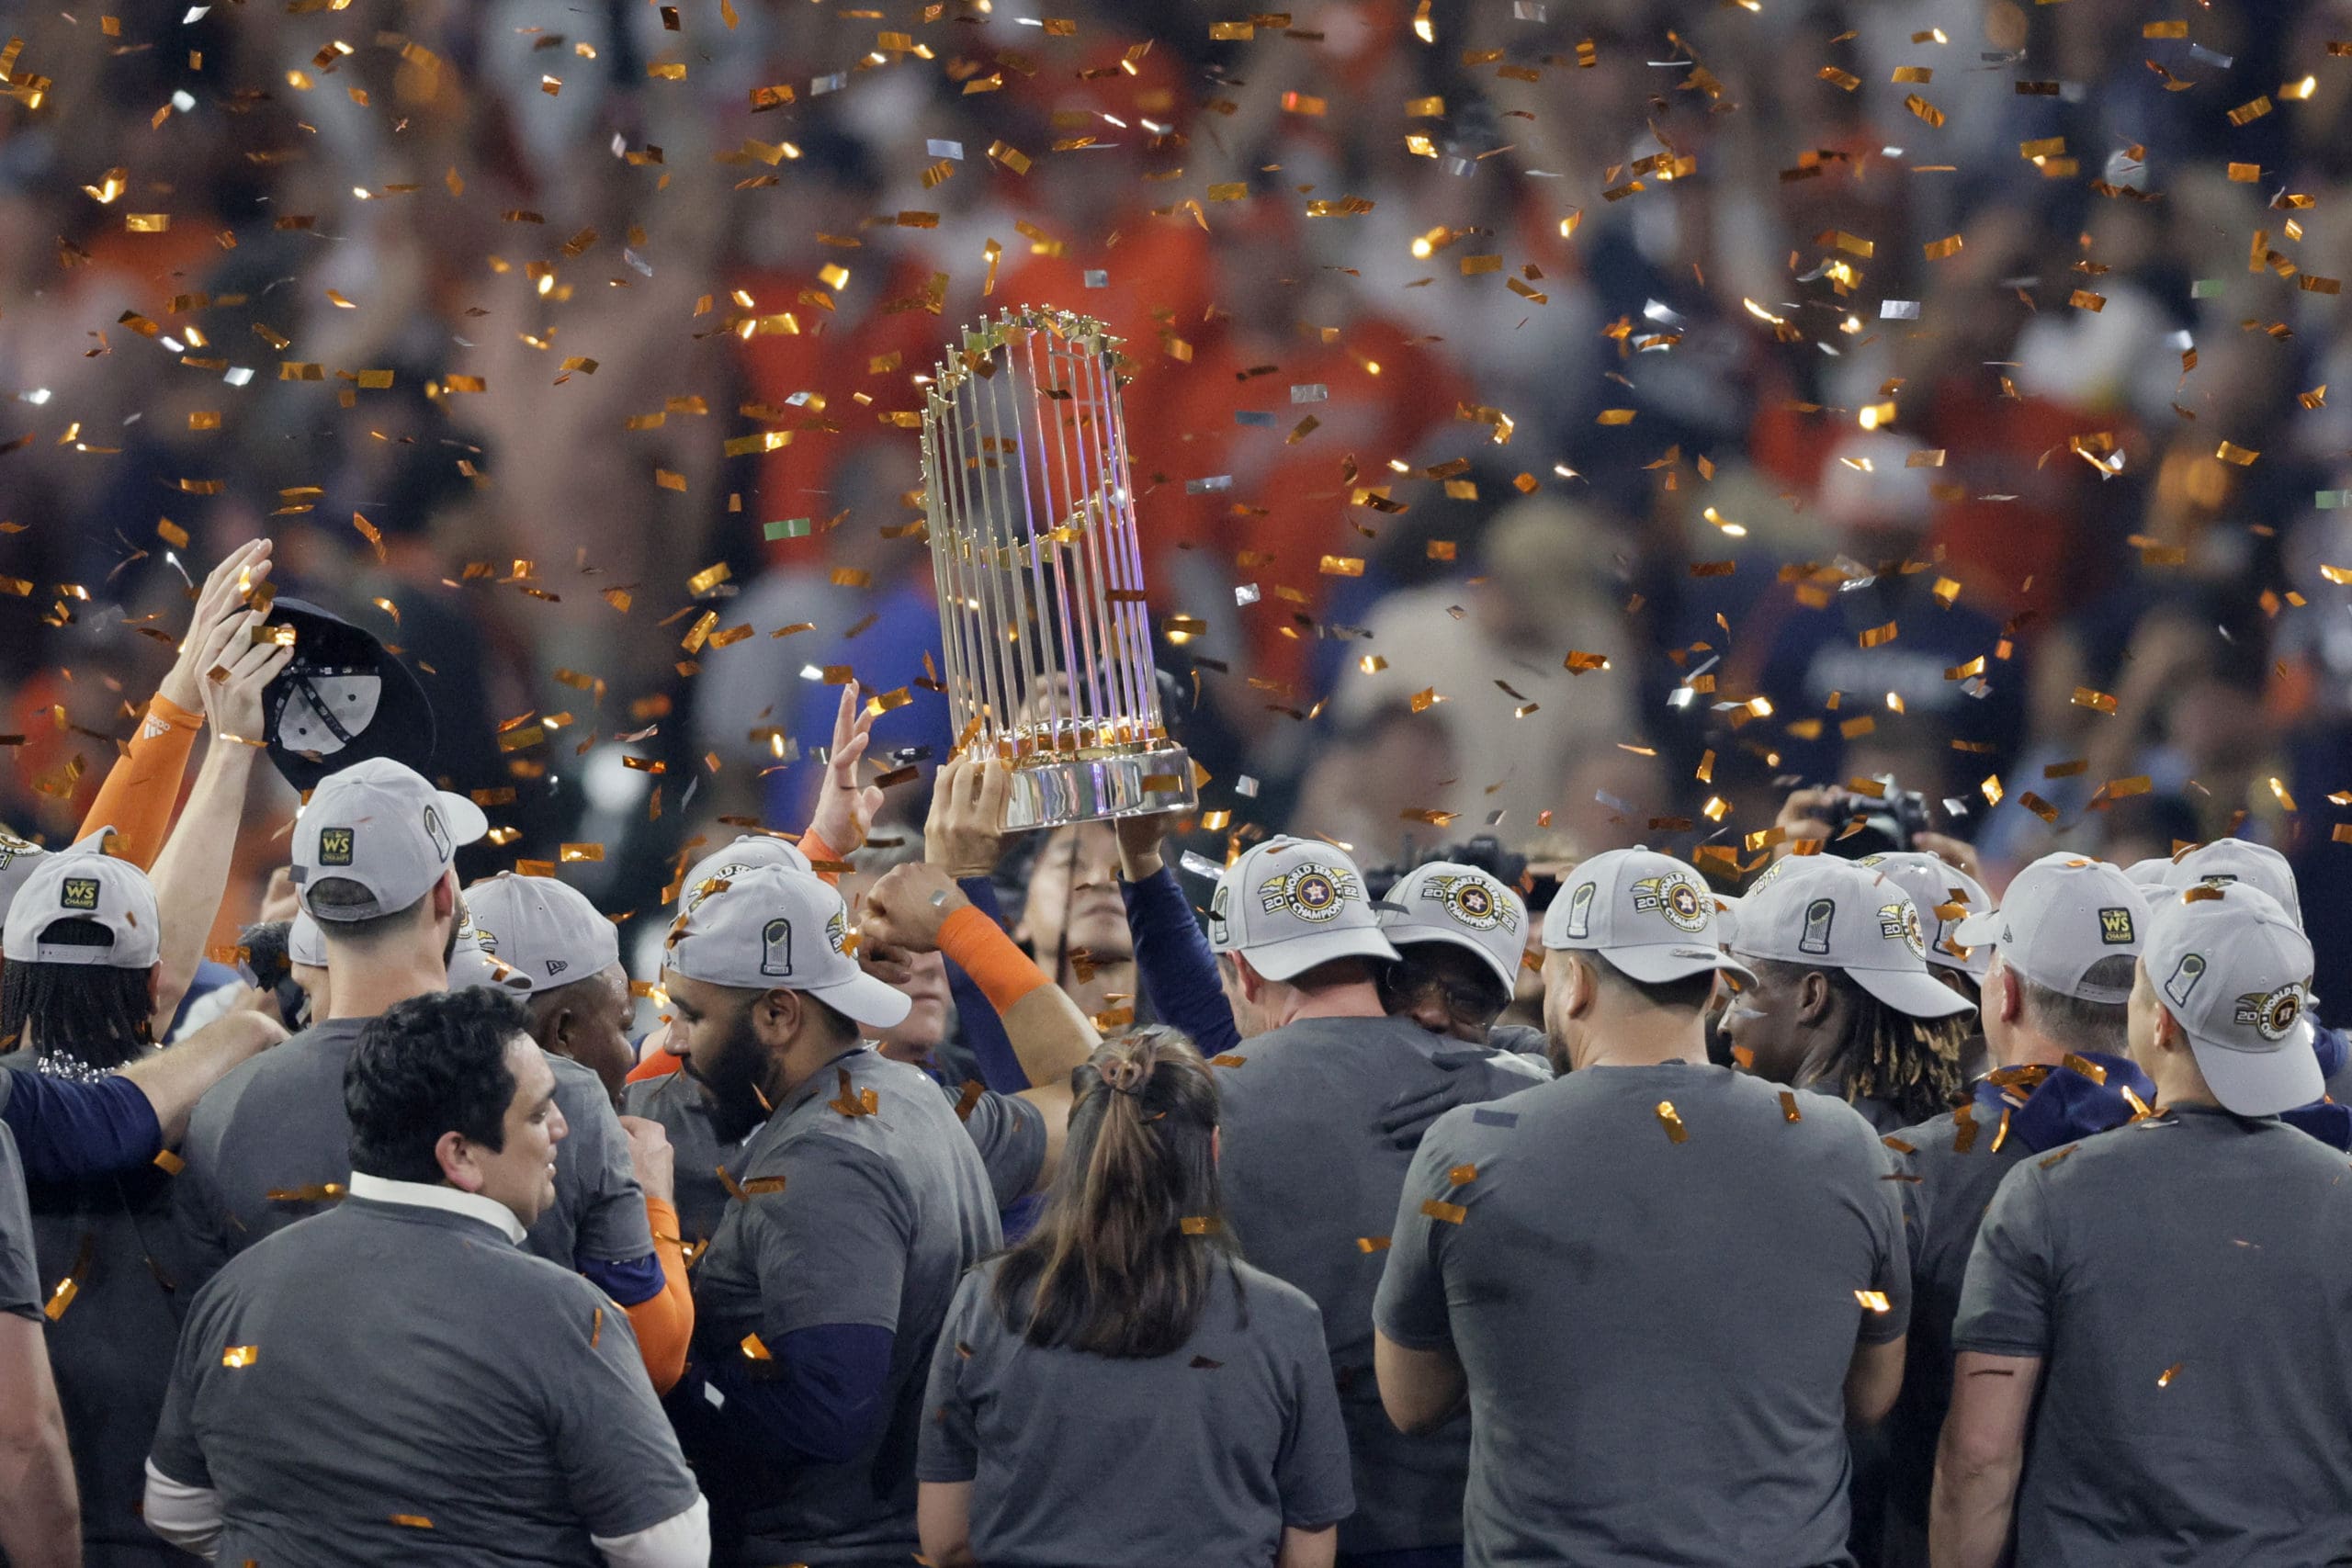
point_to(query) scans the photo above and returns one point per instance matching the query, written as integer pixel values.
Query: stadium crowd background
(1464, 340)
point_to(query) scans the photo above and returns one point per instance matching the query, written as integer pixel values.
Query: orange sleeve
(819, 853)
(665, 1323)
(996, 963)
(658, 1063)
(143, 788)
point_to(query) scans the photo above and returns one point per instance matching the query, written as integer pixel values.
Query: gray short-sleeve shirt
(1010, 1134)
(1655, 1330)
(1310, 1185)
(2184, 1281)
(678, 1103)
(849, 1216)
(1079, 1458)
(20, 1290)
(266, 1143)
(385, 1385)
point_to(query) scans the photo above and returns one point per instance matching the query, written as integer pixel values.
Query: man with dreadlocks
(1842, 1003)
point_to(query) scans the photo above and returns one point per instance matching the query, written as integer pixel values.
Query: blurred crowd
(1790, 360)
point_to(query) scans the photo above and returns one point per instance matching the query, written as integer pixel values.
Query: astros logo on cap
(1674, 896)
(2271, 1014)
(775, 947)
(1312, 891)
(2115, 926)
(1471, 901)
(79, 893)
(1900, 920)
(2184, 976)
(334, 846)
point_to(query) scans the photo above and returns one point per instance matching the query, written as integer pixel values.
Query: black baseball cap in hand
(345, 698)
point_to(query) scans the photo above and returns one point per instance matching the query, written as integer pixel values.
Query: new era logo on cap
(529, 933)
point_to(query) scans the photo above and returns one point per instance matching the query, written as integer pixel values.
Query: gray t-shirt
(848, 1216)
(1655, 1333)
(1009, 1133)
(1310, 1187)
(20, 1291)
(110, 1344)
(2184, 1281)
(1947, 1186)
(414, 1388)
(266, 1141)
(1198, 1457)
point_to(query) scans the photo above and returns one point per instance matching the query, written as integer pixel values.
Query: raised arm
(174, 1079)
(144, 784)
(846, 808)
(1174, 966)
(193, 871)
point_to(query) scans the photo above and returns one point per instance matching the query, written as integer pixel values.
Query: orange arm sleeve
(819, 853)
(996, 963)
(665, 1323)
(143, 788)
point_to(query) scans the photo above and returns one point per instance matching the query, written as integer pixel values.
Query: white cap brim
(466, 822)
(1982, 929)
(864, 999)
(1914, 994)
(2263, 1083)
(1408, 936)
(1655, 963)
(1296, 955)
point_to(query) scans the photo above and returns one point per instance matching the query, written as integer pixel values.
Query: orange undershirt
(665, 1324)
(143, 788)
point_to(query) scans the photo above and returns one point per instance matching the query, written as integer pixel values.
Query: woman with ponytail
(1121, 1390)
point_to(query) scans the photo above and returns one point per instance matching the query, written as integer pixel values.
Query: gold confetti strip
(1370, 1244)
(1937, 250)
(2231, 451)
(1873, 1300)
(1671, 1120)
(1789, 1107)
(1198, 1224)
(1445, 1214)
(240, 1355)
(2164, 1378)
(169, 1163)
(1462, 1175)
(2098, 701)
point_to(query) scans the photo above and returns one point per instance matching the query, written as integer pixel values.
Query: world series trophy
(1039, 570)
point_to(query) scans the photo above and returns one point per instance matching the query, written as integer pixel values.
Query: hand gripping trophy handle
(1039, 568)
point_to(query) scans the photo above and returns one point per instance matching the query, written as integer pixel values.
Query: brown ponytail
(1121, 1263)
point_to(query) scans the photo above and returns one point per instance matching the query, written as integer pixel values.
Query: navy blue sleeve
(1173, 965)
(68, 1131)
(826, 1399)
(983, 1031)
(632, 1283)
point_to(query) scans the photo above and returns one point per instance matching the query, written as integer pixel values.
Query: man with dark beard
(373, 856)
(855, 1206)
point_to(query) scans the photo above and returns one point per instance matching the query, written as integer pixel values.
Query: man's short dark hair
(1689, 994)
(328, 894)
(431, 1064)
(2080, 1024)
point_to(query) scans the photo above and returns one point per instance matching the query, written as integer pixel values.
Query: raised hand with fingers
(241, 670)
(846, 808)
(221, 599)
(962, 835)
(906, 909)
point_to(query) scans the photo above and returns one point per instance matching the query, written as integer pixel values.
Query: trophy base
(1056, 791)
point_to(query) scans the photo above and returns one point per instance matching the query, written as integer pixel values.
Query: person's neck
(1353, 998)
(367, 983)
(798, 1063)
(1644, 1037)
(2025, 1047)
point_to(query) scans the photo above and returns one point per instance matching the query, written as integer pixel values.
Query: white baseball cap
(382, 825)
(2225, 860)
(2233, 969)
(17, 858)
(1447, 902)
(1290, 904)
(85, 884)
(305, 943)
(749, 851)
(1937, 888)
(772, 929)
(1647, 913)
(2060, 916)
(2150, 872)
(1837, 915)
(530, 933)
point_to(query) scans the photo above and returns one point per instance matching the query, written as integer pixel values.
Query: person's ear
(444, 895)
(2168, 1033)
(2011, 1003)
(776, 1018)
(1584, 987)
(556, 1032)
(1253, 985)
(1814, 996)
(459, 1169)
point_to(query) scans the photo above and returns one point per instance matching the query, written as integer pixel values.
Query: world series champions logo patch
(1313, 891)
(1471, 901)
(1677, 898)
(775, 948)
(1900, 921)
(334, 846)
(2269, 1013)
(79, 893)
(2115, 927)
